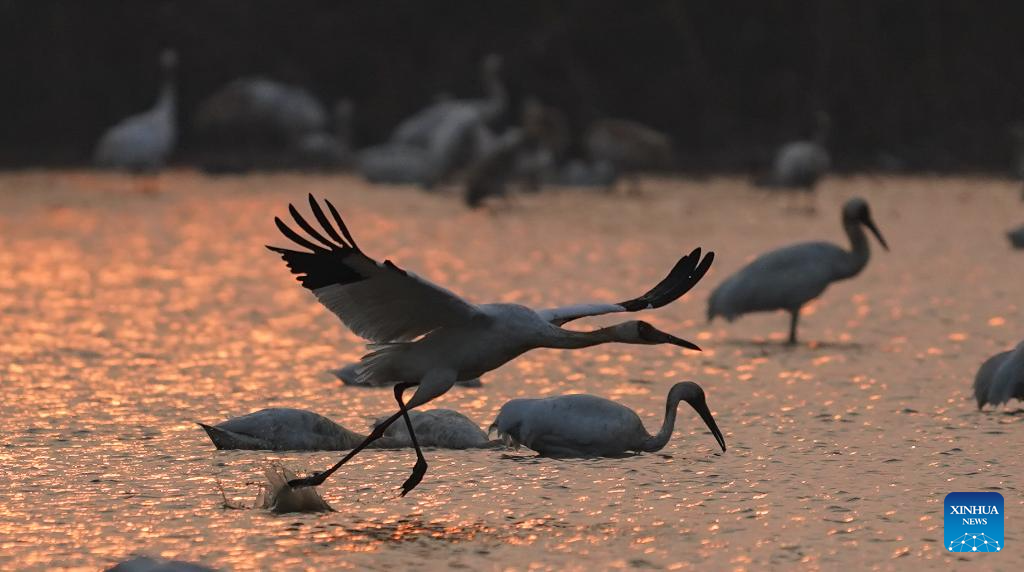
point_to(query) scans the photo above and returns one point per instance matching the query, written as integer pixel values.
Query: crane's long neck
(657, 442)
(167, 102)
(497, 96)
(561, 338)
(859, 253)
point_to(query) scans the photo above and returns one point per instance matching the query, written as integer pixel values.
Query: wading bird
(1000, 378)
(287, 429)
(427, 337)
(788, 278)
(801, 164)
(591, 426)
(143, 142)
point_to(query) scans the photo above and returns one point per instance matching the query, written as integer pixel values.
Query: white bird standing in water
(427, 337)
(590, 426)
(143, 142)
(788, 278)
(1000, 378)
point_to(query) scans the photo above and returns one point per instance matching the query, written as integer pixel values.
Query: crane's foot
(414, 479)
(312, 481)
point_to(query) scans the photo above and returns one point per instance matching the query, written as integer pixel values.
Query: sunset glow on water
(127, 317)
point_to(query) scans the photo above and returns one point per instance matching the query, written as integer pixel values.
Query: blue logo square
(974, 522)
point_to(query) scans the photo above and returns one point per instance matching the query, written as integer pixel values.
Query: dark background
(931, 85)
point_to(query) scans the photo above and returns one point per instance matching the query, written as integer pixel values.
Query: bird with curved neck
(1000, 378)
(427, 337)
(788, 278)
(590, 426)
(143, 142)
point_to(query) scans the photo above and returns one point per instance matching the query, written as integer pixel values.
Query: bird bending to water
(591, 426)
(788, 278)
(427, 337)
(287, 429)
(143, 142)
(1000, 378)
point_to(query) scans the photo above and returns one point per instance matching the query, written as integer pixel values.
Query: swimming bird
(143, 142)
(788, 278)
(801, 164)
(1000, 378)
(591, 426)
(288, 429)
(427, 337)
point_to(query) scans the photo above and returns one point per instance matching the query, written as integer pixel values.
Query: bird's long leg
(420, 468)
(794, 317)
(319, 478)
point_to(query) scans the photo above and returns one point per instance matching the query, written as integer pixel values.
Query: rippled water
(125, 318)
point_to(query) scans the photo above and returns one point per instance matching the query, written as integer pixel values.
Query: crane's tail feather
(683, 277)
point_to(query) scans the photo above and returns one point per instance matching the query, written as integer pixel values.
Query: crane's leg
(420, 468)
(794, 317)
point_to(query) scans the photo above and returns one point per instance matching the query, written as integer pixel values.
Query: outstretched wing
(378, 301)
(684, 275)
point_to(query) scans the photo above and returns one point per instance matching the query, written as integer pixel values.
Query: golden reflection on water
(125, 318)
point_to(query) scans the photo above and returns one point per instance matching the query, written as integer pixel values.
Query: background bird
(256, 122)
(143, 142)
(590, 426)
(427, 337)
(630, 147)
(788, 278)
(1000, 378)
(287, 429)
(1016, 237)
(801, 164)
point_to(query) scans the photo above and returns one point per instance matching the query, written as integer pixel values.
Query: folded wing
(378, 301)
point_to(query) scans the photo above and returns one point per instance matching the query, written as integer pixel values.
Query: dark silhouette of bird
(1000, 378)
(589, 426)
(788, 278)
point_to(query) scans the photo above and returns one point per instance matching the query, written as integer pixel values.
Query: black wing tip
(686, 273)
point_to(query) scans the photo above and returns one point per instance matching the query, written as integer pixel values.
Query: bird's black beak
(868, 222)
(653, 335)
(701, 407)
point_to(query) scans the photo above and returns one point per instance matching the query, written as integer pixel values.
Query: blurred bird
(1000, 378)
(589, 426)
(489, 175)
(287, 429)
(427, 337)
(419, 129)
(256, 122)
(788, 278)
(801, 164)
(628, 146)
(143, 142)
(147, 564)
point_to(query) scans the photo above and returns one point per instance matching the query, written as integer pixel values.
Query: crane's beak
(655, 336)
(701, 407)
(868, 222)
